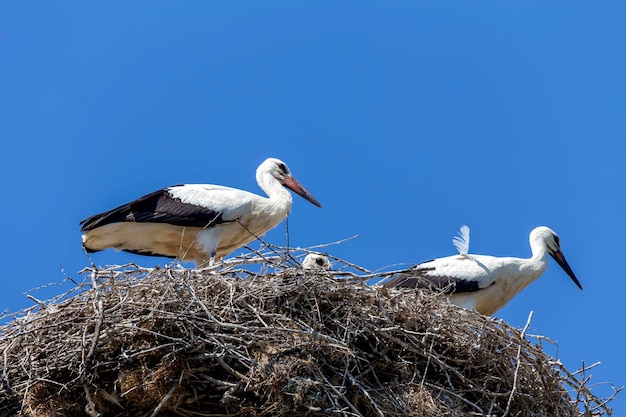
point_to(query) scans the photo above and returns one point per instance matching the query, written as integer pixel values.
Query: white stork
(485, 283)
(316, 261)
(196, 222)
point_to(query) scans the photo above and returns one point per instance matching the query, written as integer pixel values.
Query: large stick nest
(170, 341)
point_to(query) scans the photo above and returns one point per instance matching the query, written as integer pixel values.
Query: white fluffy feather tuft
(462, 241)
(316, 261)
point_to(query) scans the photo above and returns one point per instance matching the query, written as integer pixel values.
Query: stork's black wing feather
(156, 207)
(419, 277)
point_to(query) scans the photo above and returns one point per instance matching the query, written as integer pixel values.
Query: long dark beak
(293, 184)
(560, 259)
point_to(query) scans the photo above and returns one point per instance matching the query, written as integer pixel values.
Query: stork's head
(276, 168)
(316, 261)
(545, 236)
(281, 172)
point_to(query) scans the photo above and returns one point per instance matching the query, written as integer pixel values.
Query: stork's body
(196, 222)
(486, 283)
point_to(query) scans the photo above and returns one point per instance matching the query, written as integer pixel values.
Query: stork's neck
(539, 260)
(278, 195)
(528, 270)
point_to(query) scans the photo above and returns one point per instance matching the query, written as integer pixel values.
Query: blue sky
(405, 119)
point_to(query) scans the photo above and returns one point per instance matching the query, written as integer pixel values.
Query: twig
(90, 408)
(363, 390)
(517, 365)
(164, 401)
(341, 396)
(337, 242)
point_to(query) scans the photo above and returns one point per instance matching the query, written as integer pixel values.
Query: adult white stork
(485, 283)
(196, 222)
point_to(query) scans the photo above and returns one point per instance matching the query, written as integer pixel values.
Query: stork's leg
(209, 240)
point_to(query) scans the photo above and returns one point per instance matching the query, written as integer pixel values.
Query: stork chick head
(316, 261)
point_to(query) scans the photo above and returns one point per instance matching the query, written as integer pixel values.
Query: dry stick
(230, 369)
(323, 245)
(582, 390)
(602, 406)
(96, 331)
(216, 381)
(6, 383)
(455, 395)
(88, 255)
(257, 314)
(152, 349)
(361, 388)
(265, 258)
(367, 276)
(517, 366)
(287, 231)
(257, 238)
(585, 368)
(582, 386)
(229, 263)
(180, 246)
(350, 264)
(310, 249)
(164, 401)
(430, 355)
(39, 302)
(209, 224)
(493, 400)
(341, 396)
(213, 319)
(91, 407)
(120, 304)
(58, 284)
(5, 373)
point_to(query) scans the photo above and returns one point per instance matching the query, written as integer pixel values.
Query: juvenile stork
(316, 261)
(485, 283)
(196, 222)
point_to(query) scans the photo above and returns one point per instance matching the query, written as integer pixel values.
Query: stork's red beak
(293, 184)
(560, 259)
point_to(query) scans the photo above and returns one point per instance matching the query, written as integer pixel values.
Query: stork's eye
(319, 261)
(282, 167)
(556, 240)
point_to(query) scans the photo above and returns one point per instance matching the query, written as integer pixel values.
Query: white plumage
(486, 283)
(462, 241)
(316, 261)
(196, 222)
